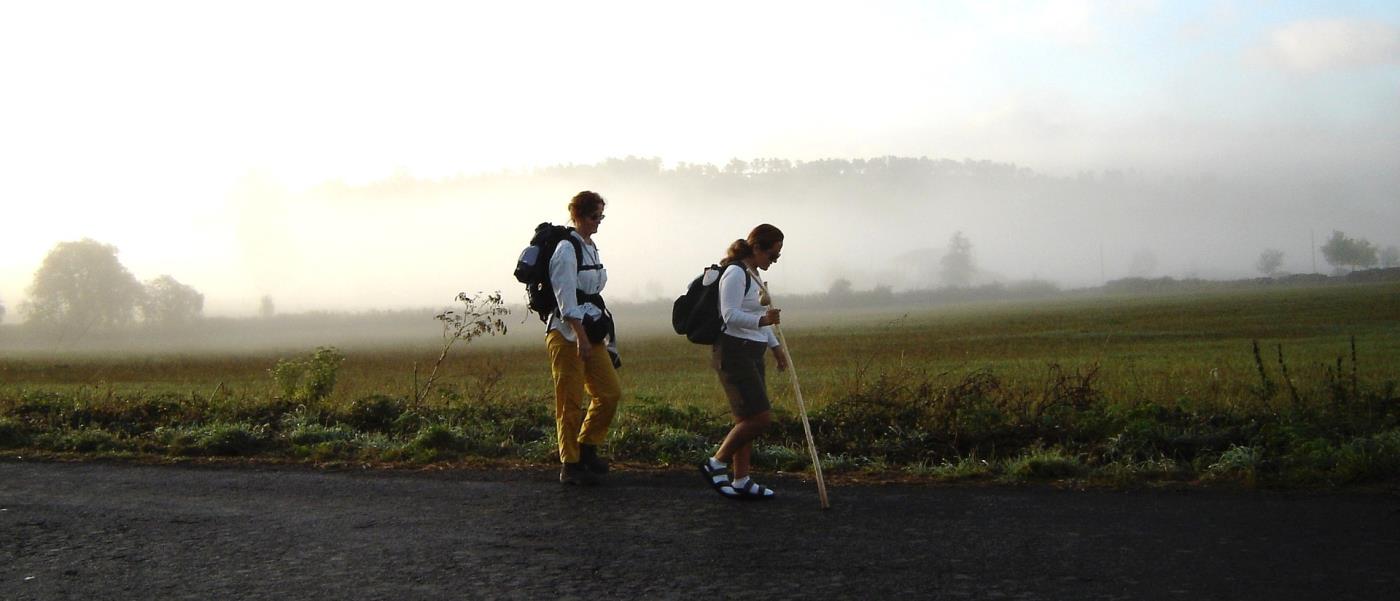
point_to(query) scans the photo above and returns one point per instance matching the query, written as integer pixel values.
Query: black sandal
(754, 491)
(718, 478)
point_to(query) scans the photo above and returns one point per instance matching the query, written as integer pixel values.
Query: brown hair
(585, 203)
(763, 237)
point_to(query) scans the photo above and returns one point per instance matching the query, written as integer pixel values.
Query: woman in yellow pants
(576, 332)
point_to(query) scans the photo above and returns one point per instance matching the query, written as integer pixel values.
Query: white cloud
(1062, 22)
(1214, 19)
(1328, 44)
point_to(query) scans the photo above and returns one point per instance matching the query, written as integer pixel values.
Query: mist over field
(399, 157)
(406, 242)
(877, 222)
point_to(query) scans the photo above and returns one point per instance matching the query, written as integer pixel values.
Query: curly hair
(585, 203)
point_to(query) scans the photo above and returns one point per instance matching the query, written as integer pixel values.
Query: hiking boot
(588, 456)
(576, 473)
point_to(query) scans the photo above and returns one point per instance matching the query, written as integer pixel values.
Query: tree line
(82, 286)
(1342, 252)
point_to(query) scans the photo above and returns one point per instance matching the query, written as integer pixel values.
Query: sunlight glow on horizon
(142, 124)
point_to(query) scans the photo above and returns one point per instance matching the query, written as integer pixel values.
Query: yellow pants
(571, 377)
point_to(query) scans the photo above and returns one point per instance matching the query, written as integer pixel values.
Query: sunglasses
(597, 216)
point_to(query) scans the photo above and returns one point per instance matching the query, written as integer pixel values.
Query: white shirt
(741, 310)
(568, 280)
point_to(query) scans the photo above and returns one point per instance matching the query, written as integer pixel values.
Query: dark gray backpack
(695, 314)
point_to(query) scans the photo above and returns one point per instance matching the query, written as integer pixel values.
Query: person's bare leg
(737, 446)
(741, 461)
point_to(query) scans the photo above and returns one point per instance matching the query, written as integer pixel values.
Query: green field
(1118, 388)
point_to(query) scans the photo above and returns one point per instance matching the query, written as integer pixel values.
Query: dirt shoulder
(124, 531)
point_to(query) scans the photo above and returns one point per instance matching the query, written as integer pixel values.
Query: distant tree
(2, 312)
(265, 307)
(168, 302)
(80, 286)
(957, 262)
(841, 288)
(1270, 262)
(1390, 257)
(1343, 252)
(1143, 264)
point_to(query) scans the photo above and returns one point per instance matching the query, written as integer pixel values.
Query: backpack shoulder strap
(578, 247)
(747, 278)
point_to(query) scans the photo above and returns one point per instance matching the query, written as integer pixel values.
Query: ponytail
(738, 251)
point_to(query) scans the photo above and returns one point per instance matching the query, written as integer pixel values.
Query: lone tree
(841, 288)
(2, 312)
(265, 307)
(957, 263)
(167, 302)
(80, 286)
(1343, 252)
(1270, 262)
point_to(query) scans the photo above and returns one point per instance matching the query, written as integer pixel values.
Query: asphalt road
(125, 531)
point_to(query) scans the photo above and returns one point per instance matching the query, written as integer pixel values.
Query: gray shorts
(740, 366)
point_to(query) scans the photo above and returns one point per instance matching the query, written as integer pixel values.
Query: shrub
(311, 434)
(541, 450)
(1238, 462)
(232, 439)
(781, 457)
(634, 441)
(256, 411)
(1045, 464)
(677, 446)
(309, 379)
(330, 450)
(434, 443)
(375, 413)
(834, 463)
(1370, 458)
(438, 437)
(215, 439)
(1126, 471)
(682, 417)
(964, 468)
(12, 434)
(83, 440)
(129, 415)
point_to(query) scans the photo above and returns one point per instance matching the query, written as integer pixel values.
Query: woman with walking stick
(738, 358)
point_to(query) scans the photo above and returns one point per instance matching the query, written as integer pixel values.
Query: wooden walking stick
(801, 406)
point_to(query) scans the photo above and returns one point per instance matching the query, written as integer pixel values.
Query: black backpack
(532, 268)
(696, 313)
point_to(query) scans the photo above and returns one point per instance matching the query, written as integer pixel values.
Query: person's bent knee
(759, 421)
(610, 398)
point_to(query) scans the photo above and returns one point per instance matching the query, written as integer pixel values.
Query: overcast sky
(172, 129)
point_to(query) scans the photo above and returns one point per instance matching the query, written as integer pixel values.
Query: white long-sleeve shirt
(741, 310)
(567, 280)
